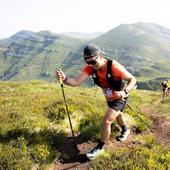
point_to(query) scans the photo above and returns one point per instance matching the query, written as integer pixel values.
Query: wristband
(66, 78)
(126, 91)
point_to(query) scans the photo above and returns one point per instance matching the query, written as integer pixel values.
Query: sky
(86, 16)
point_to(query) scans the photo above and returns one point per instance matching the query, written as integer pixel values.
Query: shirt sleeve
(118, 70)
(87, 69)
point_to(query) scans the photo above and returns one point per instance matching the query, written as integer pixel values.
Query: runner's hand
(60, 75)
(120, 94)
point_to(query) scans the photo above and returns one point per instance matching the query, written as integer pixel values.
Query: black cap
(91, 50)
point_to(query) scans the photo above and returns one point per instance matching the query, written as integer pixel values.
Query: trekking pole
(139, 117)
(68, 114)
(71, 127)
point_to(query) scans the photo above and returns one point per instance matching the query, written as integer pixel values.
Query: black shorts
(117, 105)
(165, 90)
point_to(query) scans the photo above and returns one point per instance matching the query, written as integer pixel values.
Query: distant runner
(164, 89)
(108, 74)
(168, 84)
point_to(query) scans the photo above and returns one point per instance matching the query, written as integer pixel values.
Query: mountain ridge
(143, 48)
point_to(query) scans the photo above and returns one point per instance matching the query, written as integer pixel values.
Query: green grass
(134, 158)
(32, 114)
(34, 122)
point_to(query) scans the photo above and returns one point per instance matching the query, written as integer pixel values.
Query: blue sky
(79, 15)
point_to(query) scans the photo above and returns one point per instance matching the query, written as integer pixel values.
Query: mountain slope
(35, 131)
(143, 48)
(137, 45)
(28, 55)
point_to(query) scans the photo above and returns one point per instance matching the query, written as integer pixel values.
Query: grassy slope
(29, 59)
(142, 48)
(33, 122)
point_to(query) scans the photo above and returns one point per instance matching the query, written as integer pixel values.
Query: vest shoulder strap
(115, 84)
(109, 68)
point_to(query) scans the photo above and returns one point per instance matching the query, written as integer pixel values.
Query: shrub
(136, 158)
(40, 153)
(15, 155)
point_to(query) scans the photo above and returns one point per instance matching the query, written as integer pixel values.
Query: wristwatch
(126, 91)
(66, 78)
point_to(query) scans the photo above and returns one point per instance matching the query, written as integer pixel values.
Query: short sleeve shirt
(118, 72)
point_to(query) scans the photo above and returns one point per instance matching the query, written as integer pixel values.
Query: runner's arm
(76, 80)
(121, 72)
(60, 75)
(130, 79)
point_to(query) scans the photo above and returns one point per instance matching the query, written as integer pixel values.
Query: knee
(120, 116)
(107, 122)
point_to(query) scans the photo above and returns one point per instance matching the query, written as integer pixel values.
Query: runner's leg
(109, 117)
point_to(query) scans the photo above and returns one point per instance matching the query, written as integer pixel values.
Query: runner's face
(93, 61)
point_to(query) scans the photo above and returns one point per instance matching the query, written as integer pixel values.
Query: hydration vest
(117, 85)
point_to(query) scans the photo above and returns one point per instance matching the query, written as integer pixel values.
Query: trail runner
(164, 89)
(109, 75)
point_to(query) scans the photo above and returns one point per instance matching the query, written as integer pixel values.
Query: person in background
(164, 89)
(109, 75)
(168, 84)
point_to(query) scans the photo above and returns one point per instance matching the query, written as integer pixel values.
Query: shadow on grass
(69, 152)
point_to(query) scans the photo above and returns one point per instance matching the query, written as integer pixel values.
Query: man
(108, 74)
(168, 84)
(164, 89)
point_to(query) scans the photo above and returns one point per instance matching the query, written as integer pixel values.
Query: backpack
(117, 85)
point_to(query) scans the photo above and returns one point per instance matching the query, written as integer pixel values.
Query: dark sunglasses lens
(93, 62)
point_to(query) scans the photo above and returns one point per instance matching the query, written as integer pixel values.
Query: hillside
(35, 132)
(143, 48)
(28, 55)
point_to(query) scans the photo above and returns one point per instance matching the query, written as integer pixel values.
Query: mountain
(81, 35)
(137, 45)
(28, 55)
(143, 48)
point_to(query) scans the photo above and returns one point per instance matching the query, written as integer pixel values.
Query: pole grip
(60, 81)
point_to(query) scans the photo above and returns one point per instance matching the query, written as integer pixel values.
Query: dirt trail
(160, 125)
(81, 163)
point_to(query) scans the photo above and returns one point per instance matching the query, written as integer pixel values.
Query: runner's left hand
(120, 94)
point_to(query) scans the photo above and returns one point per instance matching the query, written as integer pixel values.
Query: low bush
(134, 158)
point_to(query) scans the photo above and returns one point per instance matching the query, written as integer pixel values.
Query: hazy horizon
(79, 16)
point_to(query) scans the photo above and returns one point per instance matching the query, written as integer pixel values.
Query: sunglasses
(92, 62)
